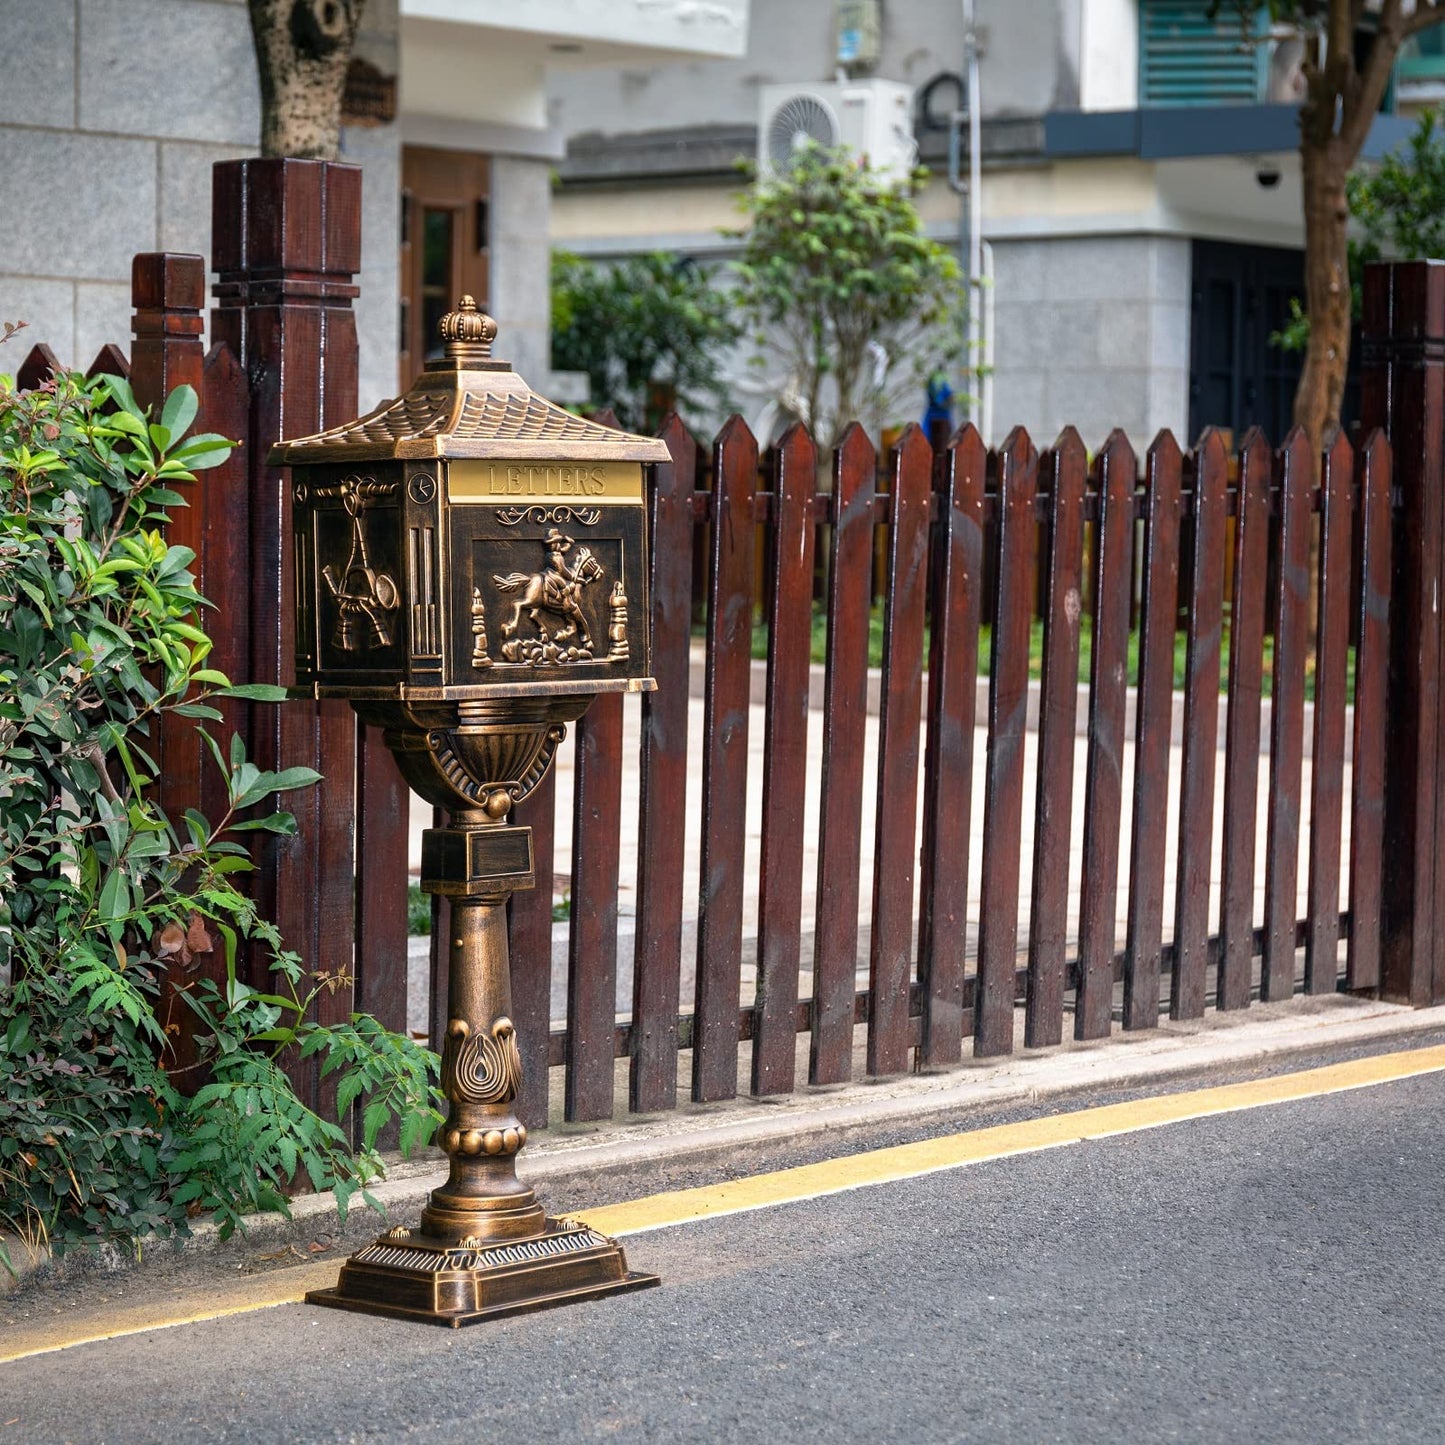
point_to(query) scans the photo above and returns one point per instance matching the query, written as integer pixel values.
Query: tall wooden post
(1404, 392)
(167, 293)
(286, 244)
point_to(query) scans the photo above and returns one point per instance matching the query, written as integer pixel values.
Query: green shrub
(99, 637)
(418, 912)
(852, 306)
(650, 331)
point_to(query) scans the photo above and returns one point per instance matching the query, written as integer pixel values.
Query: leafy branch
(108, 907)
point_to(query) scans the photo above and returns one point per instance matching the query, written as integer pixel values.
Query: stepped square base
(409, 1276)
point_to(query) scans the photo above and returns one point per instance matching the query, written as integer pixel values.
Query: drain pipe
(970, 224)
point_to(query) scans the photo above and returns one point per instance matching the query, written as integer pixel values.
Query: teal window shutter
(1188, 57)
(1422, 56)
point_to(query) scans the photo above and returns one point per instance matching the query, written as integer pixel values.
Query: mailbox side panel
(350, 603)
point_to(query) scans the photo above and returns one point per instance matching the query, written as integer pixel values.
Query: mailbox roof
(479, 411)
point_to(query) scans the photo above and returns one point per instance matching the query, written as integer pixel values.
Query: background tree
(303, 48)
(852, 305)
(1399, 205)
(650, 332)
(1398, 208)
(1350, 48)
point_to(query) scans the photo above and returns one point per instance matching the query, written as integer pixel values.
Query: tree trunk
(303, 49)
(1327, 286)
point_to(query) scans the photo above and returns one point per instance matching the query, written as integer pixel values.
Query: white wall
(1109, 54)
(700, 27)
(1029, 64)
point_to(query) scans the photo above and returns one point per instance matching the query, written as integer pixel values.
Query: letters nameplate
(600, 483)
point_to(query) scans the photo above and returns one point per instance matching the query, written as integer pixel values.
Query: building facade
(1141, 200)
(113, 111)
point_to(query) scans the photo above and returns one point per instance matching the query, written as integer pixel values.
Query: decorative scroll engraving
(479, 631)
(527, 1250)
(557, 592)
(476, 772)
(363, 596)
(481, 1068)
(617, 625)
(555, 516)
(469, 1255)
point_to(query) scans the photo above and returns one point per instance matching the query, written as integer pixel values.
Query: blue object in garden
(940, 403)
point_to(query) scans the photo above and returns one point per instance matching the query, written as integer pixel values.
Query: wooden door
(444, 246)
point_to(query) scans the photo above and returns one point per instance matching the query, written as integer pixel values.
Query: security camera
(1267, 176)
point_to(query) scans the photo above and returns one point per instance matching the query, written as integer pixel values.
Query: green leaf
(202, 452)
(347, 1092)
(255, 691)
(118, 389)
(180, 410)
(280, 823)
(115, 896)
(289, 778)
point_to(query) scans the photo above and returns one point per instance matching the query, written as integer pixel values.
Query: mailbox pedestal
(471, 570)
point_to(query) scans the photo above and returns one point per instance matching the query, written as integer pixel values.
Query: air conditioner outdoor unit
(871, 119)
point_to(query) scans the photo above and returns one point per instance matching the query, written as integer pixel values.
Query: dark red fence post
(785, 764)
(167, 293)
(662, 802)
(725, 765)
(1404, 392)
(286, 243)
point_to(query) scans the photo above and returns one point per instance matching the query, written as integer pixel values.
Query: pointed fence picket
(1012, 561)
(925, 966)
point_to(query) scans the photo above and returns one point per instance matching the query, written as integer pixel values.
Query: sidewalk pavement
(580, 1167)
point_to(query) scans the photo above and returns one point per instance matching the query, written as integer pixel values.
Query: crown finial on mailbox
(467, 332)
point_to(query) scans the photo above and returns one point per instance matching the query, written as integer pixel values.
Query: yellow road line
(108, 1322)
(785, 1186)
(952, 1151)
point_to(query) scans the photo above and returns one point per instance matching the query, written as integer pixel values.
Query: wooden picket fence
(1321, 568)
(927, 994)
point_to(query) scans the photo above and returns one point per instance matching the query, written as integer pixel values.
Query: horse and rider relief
(547, 624)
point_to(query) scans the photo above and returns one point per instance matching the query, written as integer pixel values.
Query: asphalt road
(1270, 1275)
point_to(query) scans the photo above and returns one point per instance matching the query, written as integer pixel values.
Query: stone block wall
(521, 219)
(112, 113)
(1093, 331)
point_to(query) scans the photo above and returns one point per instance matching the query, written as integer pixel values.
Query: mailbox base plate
(435, 1282)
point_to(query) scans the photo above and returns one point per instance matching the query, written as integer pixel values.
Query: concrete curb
(575, 1168)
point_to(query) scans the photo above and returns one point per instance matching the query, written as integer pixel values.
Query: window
(1189, 57)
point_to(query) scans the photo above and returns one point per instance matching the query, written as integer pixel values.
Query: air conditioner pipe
(970, 224)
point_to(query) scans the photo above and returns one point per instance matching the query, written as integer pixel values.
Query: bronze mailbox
(471, 569)
(470, 539)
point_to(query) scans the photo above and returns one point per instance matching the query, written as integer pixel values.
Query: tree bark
(1342, 101)
(1327, 287)
(303, 48)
